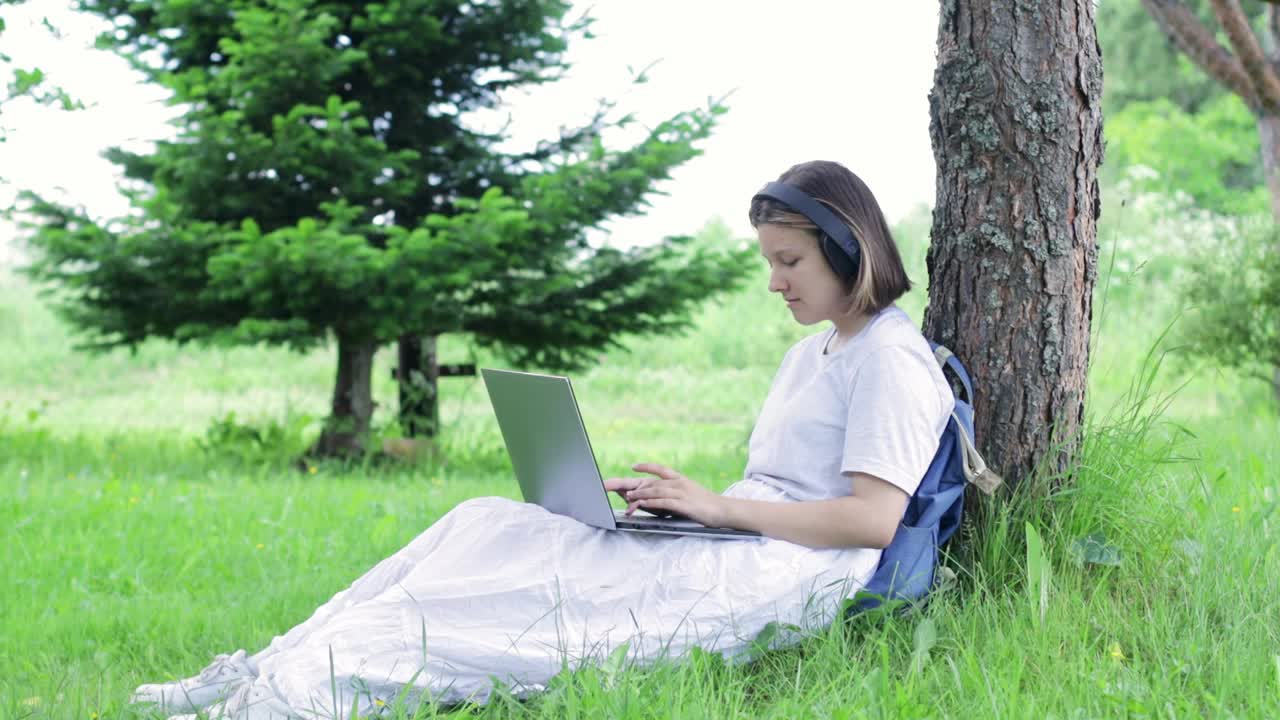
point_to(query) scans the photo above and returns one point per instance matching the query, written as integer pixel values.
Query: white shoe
(199, 691)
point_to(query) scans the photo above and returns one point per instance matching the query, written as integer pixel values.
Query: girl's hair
(881, 277)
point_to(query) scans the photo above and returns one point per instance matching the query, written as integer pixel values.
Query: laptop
(553, 460)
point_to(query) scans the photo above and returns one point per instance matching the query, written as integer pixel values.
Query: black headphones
(836, 239)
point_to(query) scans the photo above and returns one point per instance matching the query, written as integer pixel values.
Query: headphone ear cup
(844, 266)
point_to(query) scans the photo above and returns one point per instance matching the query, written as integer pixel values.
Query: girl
(848, 428)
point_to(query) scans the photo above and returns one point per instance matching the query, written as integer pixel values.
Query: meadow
(144, 530)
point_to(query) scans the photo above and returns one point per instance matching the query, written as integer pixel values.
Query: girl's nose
(776, 283)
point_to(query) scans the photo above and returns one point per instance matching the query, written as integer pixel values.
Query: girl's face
(799, 272)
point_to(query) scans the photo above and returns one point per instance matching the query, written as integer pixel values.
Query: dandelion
(1235, 509)
(1116, 653)
(312, 469)
(261, 546)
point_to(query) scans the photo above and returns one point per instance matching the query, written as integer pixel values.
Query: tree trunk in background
(347, 427)
(418, 377)
(1016, 125)
(1269, 135)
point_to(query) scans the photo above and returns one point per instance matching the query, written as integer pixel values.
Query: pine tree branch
(1236, 25)
(1189, 35)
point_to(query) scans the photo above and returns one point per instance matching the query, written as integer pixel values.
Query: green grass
(132, 555)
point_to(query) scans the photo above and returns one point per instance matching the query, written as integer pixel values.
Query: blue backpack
(909, 564)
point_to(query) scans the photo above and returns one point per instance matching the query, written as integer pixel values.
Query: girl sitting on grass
(499, 591)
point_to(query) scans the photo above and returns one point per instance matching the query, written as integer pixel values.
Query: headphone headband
(802, 203)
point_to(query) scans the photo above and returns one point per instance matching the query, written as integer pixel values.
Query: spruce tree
(326, 184)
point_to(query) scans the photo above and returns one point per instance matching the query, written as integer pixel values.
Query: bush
(1233, 289)
(1212, 155)
(272, 442)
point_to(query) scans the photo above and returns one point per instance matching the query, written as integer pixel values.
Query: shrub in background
(1233, 290)
(1211, 155)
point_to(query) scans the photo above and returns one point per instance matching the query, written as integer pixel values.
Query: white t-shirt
(877, 405)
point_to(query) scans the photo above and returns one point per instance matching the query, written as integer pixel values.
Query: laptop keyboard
(683, 525)
(650, 519)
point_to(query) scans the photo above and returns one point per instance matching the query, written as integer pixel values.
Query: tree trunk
(1016, 125)
(418, 378)
(347, 428)
(1269, 135)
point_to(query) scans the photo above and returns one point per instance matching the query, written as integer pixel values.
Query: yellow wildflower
(1235, 508)
(261, 546)
(312, 469)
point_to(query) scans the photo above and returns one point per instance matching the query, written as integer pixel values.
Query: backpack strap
(946, 358)
(975, 468)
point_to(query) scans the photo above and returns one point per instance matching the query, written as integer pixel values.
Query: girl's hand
(670, 491)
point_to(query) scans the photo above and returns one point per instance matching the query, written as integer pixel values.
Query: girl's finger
(621, 484)
(651, 504)
(627, 484)
(661, 471)
(651, 493)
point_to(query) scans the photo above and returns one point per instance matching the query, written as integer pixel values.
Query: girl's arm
(868, 518)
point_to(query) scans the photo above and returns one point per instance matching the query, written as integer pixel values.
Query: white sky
(844, 80)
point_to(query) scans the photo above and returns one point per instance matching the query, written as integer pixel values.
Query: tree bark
(347, 428)
(1269, 137)
(418, 376)
(1016, 125)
